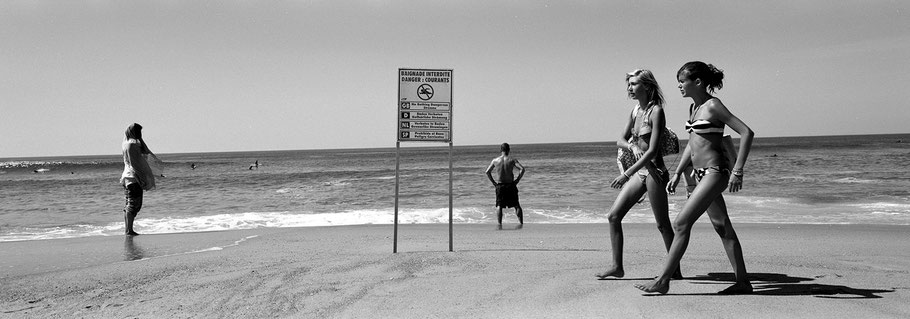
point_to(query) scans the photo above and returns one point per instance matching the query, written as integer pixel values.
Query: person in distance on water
(137, 174)
(506, 183)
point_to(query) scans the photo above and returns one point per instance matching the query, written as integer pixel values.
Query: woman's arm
(623, 140)
(684, 161)
(137, 161)
(745, 142)
(746, 134)
(657, 121)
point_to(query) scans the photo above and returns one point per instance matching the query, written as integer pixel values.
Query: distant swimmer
(255, 165)
(193, 166)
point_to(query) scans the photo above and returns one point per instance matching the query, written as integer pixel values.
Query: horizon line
(424, 144)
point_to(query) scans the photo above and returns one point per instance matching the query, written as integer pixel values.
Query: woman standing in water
(705, 151)
(641, 136)
(137, 174)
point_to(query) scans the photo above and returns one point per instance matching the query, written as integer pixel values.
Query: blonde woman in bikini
(707, 119)
(648, 175)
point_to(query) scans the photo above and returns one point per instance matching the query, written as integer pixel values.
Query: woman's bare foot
(739, 288)
(677, 275)
(655, 286)
(132, 233)
(612, 272)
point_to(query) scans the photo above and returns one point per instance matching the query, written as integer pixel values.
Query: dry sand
(540, 271)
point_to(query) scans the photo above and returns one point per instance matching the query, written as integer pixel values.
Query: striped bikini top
(702, 126)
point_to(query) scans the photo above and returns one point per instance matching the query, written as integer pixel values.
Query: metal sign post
(424, 115)
(450, 196)
(397, 161)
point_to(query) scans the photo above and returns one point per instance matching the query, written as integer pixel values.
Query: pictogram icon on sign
(425, 92)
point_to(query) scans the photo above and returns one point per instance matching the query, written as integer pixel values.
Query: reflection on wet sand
(131, 251)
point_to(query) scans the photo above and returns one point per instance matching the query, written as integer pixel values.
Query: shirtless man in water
(506, 183)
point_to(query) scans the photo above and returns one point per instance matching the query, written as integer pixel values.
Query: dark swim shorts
(133, 193)
(506, 195)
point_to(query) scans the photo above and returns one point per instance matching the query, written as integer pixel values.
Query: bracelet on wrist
(626, 175)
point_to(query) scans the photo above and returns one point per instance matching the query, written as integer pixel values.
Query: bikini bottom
(699, 173)
(660, 174)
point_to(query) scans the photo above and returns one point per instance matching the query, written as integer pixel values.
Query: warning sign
(424, 136)
(426, 115)
(420, 125)
(424, 105)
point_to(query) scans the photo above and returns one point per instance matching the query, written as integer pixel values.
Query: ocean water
(809, 180)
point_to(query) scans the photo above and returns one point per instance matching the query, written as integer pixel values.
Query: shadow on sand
(768, 284)
(526, 249)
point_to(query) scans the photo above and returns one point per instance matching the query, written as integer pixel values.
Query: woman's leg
(657, 195)
(628, 197)
(709, 188)
(724, 228)
(133, 194)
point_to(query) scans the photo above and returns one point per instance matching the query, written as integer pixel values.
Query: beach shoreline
(539, 271)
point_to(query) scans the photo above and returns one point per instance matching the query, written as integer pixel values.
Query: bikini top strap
(691, 111)
(693, 108)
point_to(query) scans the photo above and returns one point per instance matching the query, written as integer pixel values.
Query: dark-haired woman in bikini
(704, 151)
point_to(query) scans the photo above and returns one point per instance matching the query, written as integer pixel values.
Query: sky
(216, 76)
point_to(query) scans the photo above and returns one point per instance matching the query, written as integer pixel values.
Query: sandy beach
(539, 271)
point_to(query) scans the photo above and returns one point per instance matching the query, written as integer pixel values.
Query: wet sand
(539, 271)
